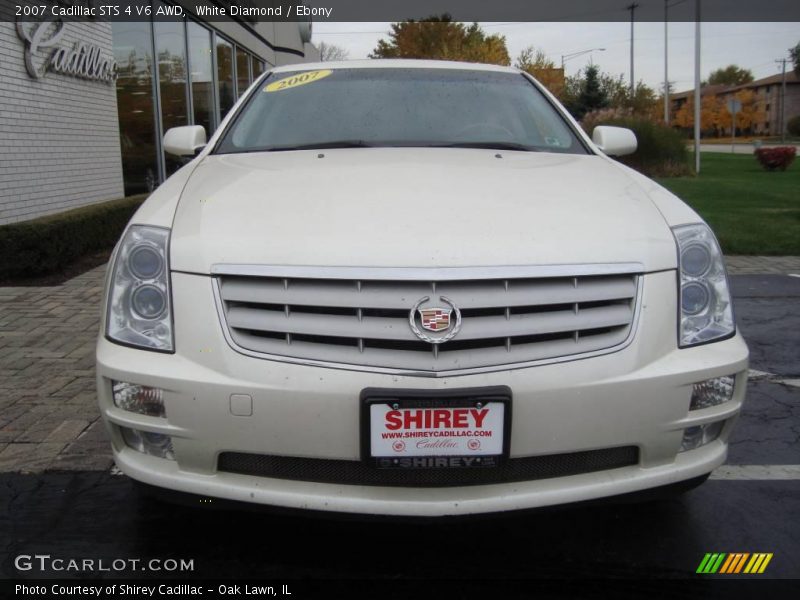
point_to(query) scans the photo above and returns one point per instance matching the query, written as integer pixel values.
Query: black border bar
(507, 11)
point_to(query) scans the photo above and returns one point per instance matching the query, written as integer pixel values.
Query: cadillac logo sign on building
(44, 52)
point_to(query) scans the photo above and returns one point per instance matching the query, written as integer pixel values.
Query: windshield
(398, 107)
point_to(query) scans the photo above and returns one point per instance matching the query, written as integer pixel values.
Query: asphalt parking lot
(60, 496)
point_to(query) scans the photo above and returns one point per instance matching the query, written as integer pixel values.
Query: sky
(754, 46)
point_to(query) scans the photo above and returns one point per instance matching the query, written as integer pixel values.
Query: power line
(620, 41)
(348, 32)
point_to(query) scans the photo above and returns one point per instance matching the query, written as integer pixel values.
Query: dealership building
(84, 104)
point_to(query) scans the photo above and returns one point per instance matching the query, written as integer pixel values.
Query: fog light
(139, 398)
(712, 392)
(154, 444)
(694, 437)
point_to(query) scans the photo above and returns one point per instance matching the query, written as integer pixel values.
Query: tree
(328, 52)
(441, 38)
(645, 102)
(590, 90)
(571, 91)
(531, 58)
(615, 90)
(795, 54)
(750, 114)
(583, 92)
(592, 96)
(730, 75)
(710, 113)
(535, 62)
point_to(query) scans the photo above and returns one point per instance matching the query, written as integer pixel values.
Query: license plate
(435, 430)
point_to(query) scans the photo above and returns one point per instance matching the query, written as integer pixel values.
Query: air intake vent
(348, 472)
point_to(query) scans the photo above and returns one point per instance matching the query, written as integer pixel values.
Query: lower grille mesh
(350, 472)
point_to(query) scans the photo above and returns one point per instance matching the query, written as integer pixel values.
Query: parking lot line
(756, 374)
(756, 472)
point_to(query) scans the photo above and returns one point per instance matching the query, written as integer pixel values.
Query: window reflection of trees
(135, 101)
(225, 76)
(135, 106)
(201, 76)
(172, 81)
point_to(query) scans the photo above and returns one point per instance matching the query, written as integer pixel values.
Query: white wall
(59, 138)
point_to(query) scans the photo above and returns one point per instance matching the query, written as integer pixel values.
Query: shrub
(793, 126)
(47, 244)
(776, 159)
(661, 150)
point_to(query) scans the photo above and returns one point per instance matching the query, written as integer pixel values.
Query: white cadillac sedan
(414, 288)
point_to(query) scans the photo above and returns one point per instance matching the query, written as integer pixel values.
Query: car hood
(415, 207)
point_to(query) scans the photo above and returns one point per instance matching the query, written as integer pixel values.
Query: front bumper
(638, 396)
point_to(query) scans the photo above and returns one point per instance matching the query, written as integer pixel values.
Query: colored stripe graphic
(703, 563)
(758, 563)
(734, 563)
(711, 562)
(741, 562)
(728, 563)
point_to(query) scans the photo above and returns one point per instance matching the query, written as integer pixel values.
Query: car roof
(394, 63)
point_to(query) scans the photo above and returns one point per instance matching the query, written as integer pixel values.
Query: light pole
(666, 58)
(632, 7)
(566, 57)
(783, 61)
(667, 4)
(697, 91)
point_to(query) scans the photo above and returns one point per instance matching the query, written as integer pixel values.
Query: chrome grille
(365, 322)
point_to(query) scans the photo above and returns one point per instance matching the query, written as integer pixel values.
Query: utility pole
(697, 98)
(783, 99)
(632, 7)
(666, 55)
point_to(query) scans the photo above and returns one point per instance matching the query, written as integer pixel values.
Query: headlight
(139, 304)
(705, 301)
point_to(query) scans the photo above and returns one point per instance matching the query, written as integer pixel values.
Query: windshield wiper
(363, 144)
(488, 145)
(320, 146)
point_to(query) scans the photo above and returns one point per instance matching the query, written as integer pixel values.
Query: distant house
(767, 98)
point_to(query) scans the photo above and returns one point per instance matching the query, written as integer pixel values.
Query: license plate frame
(432, 399)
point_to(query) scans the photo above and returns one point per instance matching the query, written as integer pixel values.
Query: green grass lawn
(751, 210)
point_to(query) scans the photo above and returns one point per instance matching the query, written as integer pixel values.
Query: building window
(172, 81)
(133, 44)
(227, 92)
(201, 76)
(242, 71)
(258, 67)
(200, 90)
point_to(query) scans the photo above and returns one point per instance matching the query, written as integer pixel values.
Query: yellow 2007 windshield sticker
(297, 80)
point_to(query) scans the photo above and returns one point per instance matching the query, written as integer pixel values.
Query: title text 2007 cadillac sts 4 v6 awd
(414, 288)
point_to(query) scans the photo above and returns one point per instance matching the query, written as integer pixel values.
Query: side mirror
(185, 141)
(614, 141)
